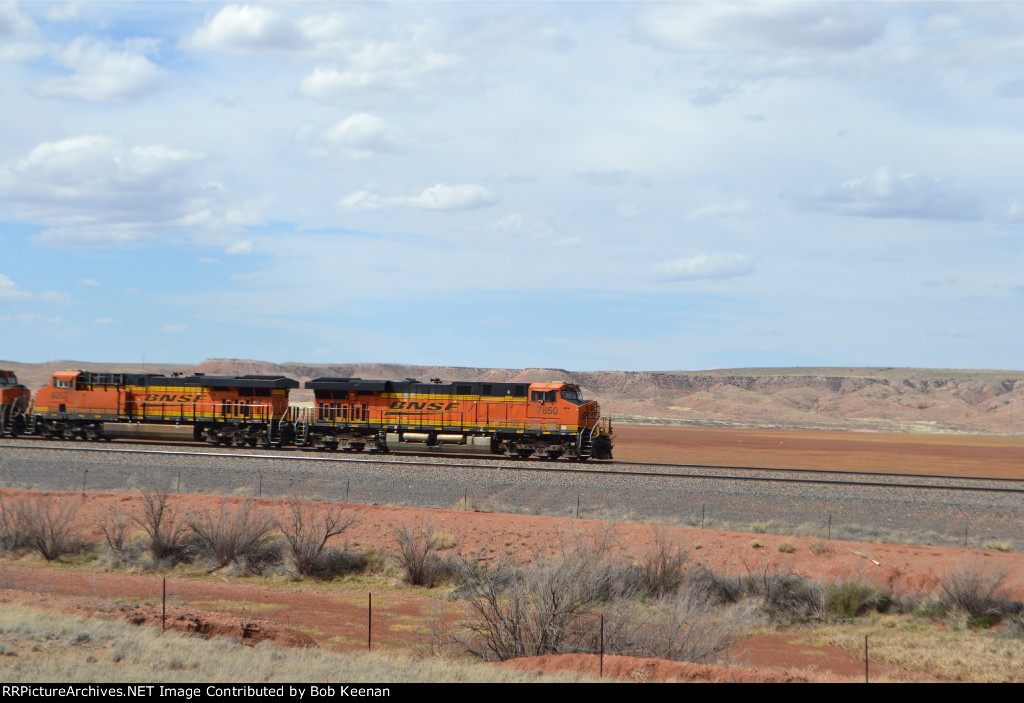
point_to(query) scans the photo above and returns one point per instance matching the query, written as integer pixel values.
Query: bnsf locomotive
(515, 419)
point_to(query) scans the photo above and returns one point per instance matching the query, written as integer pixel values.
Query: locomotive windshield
(573, 396)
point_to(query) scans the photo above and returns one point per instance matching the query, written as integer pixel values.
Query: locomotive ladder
(585, 441)
(301, 427)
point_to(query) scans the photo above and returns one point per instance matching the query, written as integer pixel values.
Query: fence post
(369, 621)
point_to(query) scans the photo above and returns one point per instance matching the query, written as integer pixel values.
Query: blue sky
(578, 185)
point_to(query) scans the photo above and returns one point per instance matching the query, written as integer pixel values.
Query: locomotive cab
(562, 423)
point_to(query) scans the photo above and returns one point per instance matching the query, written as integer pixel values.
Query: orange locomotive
(515, 419)
(520, 419)
(14, 403)
(236, 410)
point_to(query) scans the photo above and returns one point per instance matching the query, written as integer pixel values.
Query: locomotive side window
(542, 396)
(60, 383)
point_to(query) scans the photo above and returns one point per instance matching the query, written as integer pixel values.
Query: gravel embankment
(866, 513)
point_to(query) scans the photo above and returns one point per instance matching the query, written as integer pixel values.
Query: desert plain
(332, 615)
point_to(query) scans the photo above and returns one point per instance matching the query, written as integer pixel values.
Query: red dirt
(307, 614)
(959, 455)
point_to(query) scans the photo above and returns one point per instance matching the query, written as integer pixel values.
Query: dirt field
(957, 455)
(335, 617)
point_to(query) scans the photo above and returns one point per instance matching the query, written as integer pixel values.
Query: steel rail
(530, 467)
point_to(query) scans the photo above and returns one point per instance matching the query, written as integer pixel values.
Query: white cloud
(382, 68)
(103, 74)
(239, 248)
(628, 211)
(62, 12)
(516, 226)
(705, 266)
(172, 329)
(247, 277)
(55, 296)
(785, 27)
(1014, 210)
(10, 292)
(718, 209)
(246, 28)
(111, 321)
(353, 62)
(20, 35)
(611, 178)
(364, 134)
(209, 260)
(885, 194)
(14, 22)
(93, 190)
(31, 318)
(469, 196)
(88, 282)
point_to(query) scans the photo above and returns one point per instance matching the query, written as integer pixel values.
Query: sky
(580, 185)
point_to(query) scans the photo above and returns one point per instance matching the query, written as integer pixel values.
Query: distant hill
(881, 399)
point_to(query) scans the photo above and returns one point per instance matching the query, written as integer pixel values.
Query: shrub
(979, 592)
(715, 588)
(11, 537)
(556, 606)
(115, 530)
(44, 526)
(307, 530)
(848, 599)
(818, 548)
(999, 546)
(417, 556)
(786, 547)
(663, 569)
(234, 535)
(784, 592)
(162, 523)
(517, 613)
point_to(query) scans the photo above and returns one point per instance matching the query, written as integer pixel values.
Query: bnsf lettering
(173, 397)
(414, 405)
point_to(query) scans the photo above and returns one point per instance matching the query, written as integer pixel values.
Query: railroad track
(712, 472)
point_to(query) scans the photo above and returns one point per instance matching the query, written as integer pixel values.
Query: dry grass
(946, 653)
(44, 647)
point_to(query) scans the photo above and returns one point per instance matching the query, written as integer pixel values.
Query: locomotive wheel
(525, 453)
